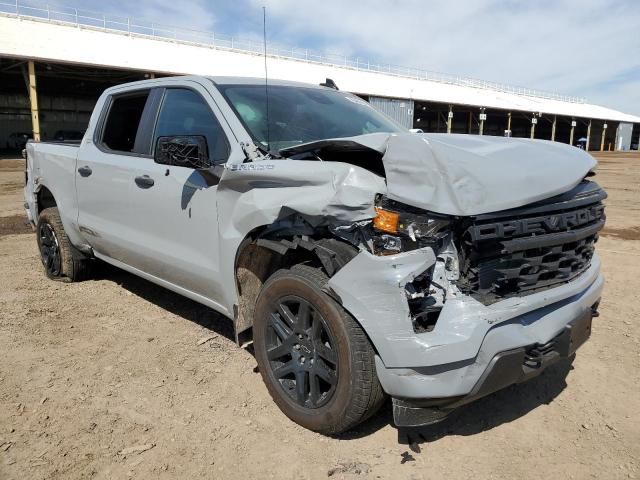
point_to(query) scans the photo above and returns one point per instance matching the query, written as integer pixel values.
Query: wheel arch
(262, 253)
(45, 199)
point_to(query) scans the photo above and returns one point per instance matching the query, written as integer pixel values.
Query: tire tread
(74, 265)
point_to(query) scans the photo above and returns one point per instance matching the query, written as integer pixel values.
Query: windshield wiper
(256, 151)
(266, 151)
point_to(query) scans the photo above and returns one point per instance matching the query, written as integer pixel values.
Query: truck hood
(468, 174)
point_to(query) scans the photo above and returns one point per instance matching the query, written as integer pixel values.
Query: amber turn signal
(386, 221)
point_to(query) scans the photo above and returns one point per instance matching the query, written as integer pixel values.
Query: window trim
(206, 103)
(104, 115)
(148, 120)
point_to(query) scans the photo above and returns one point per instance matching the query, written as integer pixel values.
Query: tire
(341, 388)
(61, 260)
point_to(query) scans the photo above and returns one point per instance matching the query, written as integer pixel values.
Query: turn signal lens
(386, 221)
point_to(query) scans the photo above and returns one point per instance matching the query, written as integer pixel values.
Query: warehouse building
(55, 62)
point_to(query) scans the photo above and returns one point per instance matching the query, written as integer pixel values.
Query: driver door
(174, 207)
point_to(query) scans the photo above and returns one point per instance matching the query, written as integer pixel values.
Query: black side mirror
(183, 151)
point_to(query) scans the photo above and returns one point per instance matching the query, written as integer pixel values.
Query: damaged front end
(396, 231)
(502, 281)
(461, 306)
(406, 270)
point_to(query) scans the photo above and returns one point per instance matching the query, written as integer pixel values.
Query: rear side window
(184, 112)
(123, 120)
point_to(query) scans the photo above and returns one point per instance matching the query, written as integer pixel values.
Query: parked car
(68, 136)
(362, 260)
(17, 140)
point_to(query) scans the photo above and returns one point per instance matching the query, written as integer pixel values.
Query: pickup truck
(362, 260)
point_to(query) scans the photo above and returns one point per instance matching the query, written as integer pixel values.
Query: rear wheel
(315, 360)
(60, 259)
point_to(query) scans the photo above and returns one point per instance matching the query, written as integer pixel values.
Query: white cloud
(193, 14)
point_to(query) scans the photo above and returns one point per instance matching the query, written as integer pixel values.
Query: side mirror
(183, 151)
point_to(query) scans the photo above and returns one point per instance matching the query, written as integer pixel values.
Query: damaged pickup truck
(362, 260)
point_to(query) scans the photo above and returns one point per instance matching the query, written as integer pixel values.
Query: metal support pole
(509, 123)
(482, 116)
(533, 128)
(33, 97)
(553, 129)
(573, 127)
(449, 118)
(588, 137)
(152, 75)
(604, 132)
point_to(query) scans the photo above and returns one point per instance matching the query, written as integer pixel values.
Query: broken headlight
(399, 227)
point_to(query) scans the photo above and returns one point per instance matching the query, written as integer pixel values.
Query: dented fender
(371, 288)
(257, 194)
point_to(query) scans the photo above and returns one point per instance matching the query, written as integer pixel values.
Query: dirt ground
(118, 378)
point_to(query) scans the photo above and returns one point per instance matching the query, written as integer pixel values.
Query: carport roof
(44, 39)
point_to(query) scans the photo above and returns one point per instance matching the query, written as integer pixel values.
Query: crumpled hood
(470, 175)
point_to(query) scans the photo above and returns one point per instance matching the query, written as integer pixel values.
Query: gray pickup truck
(361, 259)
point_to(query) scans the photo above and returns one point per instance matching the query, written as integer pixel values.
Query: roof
(260, 81)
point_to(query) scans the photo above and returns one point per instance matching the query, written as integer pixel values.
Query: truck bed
(51, 166)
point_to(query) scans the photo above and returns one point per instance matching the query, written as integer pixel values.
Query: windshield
(301, 115)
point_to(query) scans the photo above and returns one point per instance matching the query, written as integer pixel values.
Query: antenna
(266, 82)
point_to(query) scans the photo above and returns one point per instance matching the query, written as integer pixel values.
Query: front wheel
(314, 358)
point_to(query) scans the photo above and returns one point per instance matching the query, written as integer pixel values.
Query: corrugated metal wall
(623, 136)
(400, 110)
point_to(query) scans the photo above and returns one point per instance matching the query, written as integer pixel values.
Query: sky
(586, 48)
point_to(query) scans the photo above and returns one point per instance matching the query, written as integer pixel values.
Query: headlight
(386, 221)
(409, 223)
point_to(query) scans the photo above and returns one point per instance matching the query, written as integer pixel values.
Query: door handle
(85, 171)
(145, 181)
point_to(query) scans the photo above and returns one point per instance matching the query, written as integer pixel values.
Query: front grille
(527, 249)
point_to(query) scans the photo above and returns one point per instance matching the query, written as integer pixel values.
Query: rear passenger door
(172, 213)
(121, 136)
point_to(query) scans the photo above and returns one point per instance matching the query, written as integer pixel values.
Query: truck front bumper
(505, 368)
(474, 349)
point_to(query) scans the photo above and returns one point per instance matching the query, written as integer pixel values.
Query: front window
(184, 112)
(303, 114)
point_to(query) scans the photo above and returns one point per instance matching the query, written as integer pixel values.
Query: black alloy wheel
(301, 352)
(316, 361)
(49, 250)
(61, 260)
